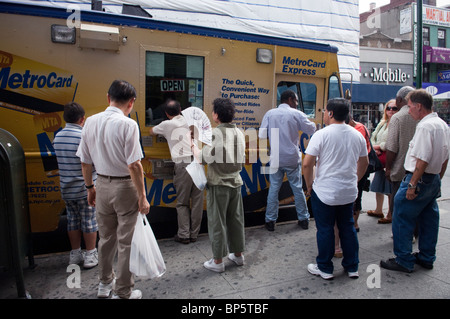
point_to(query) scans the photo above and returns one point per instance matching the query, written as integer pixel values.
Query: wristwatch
(411, 186)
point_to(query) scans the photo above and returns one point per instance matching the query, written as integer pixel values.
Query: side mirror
(348, 94)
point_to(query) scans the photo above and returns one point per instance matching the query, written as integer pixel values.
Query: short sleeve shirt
(225, 157)
(285, 123)
(401, 130)
(71, 178)
(429, 144)
(176, 132)
(338, 148)
(110, 141)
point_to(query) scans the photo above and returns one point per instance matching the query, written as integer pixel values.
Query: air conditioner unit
(99, 37)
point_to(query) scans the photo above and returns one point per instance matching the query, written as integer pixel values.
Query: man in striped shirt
(81, 218)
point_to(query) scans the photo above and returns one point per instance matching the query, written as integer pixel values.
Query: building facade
(388, 47)
(436, 57)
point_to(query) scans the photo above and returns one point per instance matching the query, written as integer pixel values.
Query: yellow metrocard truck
(50, 56)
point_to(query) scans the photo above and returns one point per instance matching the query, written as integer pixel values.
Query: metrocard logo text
(35, 79)
(28, 80)
(302, 67)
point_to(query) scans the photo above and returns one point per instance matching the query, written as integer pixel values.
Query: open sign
(172, 85)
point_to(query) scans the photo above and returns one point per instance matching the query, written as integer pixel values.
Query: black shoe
(391, 264)
(270, 226)
(421, 262)
(182, 240)
(303, 223)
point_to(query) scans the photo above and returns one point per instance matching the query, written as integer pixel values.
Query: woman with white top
(380, 185)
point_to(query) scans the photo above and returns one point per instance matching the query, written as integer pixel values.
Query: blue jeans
(294, 176)
(326, 216)
(423, 210)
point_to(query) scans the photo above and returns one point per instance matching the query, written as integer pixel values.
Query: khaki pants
(225, 220)
(189, 220)
(117, 209)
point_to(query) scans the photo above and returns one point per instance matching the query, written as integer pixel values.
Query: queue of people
(104, 187)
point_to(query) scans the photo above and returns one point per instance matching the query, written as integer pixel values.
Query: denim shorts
(81, 216)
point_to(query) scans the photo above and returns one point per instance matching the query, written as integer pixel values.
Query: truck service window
(172, 76)
(306, 93)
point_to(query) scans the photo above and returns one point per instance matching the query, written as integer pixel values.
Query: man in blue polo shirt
(81, 218)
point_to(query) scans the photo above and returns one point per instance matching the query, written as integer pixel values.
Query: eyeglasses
(391, 108)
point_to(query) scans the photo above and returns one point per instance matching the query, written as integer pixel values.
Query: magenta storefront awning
(436, 55)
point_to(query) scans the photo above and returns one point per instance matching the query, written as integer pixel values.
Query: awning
(372, 93)
(439, 91)
(436, 55)
(442, 96)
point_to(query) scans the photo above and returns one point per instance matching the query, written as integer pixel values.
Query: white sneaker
(104, 290)
(237, 260)
(76, 257)
(211, 265)
(135, 294)
(313, 269)
(353, 274)
(91, 259)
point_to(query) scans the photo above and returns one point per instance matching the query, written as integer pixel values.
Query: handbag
(374, 161)
(145, 257)
(382, 158)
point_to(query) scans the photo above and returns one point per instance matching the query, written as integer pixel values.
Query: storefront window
(441, 38)
(426, 35)
(368, 114)
(172, 76)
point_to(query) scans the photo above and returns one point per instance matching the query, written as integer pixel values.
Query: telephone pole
(419, 52)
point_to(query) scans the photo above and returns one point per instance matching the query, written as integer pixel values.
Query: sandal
(385, 220)
(373, 213)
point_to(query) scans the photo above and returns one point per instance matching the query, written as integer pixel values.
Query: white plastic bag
(145, 257)
(197, 173)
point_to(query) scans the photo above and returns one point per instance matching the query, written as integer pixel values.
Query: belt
(114, 177)
(424, 174)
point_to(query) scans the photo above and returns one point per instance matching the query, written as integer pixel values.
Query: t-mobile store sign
(390, 75)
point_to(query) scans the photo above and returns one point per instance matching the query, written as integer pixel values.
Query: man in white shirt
(177, 133)
(342, 160)
(110, 142)
(285, 122)
(415, 202)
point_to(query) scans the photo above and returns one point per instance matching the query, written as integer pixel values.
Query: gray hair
(403, 92)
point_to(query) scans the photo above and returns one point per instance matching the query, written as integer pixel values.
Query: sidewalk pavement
(275, 268)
